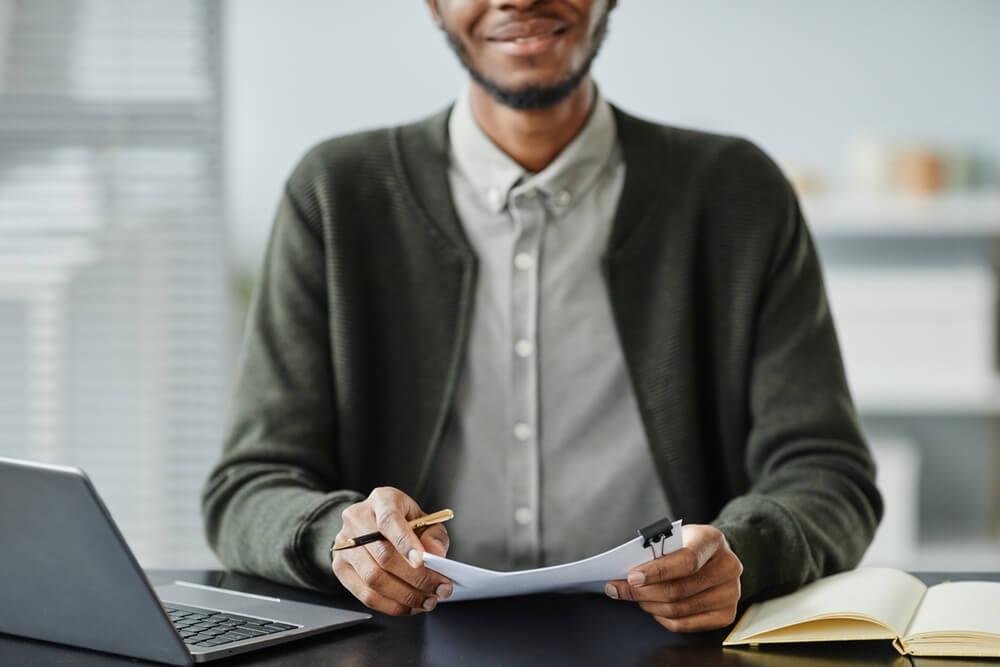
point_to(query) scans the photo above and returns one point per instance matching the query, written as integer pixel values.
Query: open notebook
(951, 619)
(588, 575)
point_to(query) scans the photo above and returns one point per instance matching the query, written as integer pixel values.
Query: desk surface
(532, 630)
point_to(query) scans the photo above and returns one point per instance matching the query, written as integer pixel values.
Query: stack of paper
(587, 575)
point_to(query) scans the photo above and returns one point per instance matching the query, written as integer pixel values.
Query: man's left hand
(694, 588)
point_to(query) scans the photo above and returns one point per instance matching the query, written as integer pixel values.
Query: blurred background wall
(143, 145)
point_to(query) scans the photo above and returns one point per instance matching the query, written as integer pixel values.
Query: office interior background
(144, 143)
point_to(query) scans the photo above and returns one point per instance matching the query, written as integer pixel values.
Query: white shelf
(942, 406)
(951, 215)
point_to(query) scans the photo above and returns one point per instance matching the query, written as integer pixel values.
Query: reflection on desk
(556, 629)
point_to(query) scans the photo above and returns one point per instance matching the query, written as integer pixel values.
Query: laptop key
(242, 619)
(249, 632)
(280, 626)
(256, 628)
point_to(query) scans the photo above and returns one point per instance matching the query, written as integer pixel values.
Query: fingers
(701, 542)
(379, 574)
(411, 587)
(715, 572)
(391, 578)
(708, 621)
(722, 597)
(391, 508)
(369, 591)
(694, 588)
(435, 540)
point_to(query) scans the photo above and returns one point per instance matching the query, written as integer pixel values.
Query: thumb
(435, 540)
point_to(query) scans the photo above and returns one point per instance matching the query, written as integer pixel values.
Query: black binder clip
(658, 531)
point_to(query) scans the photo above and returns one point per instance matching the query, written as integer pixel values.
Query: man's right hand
(389, 575)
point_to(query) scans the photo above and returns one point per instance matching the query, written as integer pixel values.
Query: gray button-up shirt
(545, 460)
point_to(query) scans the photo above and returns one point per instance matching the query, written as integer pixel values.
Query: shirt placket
(528, 214)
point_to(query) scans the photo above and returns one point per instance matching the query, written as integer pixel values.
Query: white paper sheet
(588, 575)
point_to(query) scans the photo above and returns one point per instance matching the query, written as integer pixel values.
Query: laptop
(67, 576)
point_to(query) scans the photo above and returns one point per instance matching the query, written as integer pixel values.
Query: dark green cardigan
(358, 330)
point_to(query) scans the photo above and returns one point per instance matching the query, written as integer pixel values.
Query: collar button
(494, 198)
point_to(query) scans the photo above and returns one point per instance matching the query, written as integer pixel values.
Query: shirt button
(522, 431)
(523, 516)
(523, 261)
(495, 198)
(563, 197)
(524, 348)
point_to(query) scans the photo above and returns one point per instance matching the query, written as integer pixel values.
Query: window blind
(115, 319)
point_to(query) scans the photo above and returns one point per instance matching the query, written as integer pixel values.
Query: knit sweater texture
(358, 328)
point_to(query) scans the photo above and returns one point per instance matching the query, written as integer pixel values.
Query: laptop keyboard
(205, 628)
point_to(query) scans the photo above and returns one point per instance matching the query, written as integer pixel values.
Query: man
(557, 319)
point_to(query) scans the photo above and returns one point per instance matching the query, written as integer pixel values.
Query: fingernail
(611, 591)
(636, 578)
(414, 557)
(443, 591)
(430, 603)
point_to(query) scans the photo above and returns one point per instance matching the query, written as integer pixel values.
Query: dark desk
(546, 630)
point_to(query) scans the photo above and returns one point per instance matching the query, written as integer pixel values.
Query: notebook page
(588, 575)
(970, 606)
(887, 595)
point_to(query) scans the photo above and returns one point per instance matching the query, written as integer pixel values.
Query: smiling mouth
(537, 38)
(528, 32)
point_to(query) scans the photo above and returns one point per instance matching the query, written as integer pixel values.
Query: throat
(533, 138)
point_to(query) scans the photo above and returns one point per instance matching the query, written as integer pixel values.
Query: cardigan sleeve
(812, 507)
(272, 505)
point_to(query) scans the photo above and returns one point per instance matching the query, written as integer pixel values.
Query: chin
(530, 80)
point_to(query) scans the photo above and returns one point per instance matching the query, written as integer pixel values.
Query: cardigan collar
(421, 151)
(493, 174)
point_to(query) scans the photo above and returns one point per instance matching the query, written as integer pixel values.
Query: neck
(533, 139)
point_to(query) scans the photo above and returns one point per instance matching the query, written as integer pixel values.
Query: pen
(419, 522)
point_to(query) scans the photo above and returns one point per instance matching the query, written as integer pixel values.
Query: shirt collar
(493, 174)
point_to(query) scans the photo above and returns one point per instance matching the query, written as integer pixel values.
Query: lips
(528, 30)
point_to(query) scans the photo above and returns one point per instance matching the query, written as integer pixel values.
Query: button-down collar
(493, 174)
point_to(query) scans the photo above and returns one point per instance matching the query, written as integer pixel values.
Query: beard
(532, 97)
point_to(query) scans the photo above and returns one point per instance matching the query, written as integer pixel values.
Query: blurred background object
(135, 206)
(115, 335)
